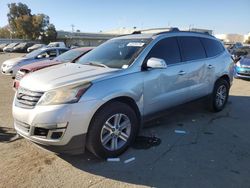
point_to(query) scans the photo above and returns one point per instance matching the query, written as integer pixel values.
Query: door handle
(210, 66)
(182, 73)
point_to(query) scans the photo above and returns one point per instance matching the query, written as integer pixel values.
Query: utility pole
(72, 26)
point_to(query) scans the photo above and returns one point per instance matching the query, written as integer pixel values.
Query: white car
(11, 66)
(56, 44)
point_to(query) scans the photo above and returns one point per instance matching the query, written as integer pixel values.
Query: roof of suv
(154, 35)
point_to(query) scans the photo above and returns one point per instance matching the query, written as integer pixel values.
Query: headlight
(238, 64)
(64, 95)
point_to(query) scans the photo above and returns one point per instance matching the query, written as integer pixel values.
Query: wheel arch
(123, 99)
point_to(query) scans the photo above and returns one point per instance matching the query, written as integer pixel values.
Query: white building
(233, 37)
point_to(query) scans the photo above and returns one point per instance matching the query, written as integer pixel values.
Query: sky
(222, 16)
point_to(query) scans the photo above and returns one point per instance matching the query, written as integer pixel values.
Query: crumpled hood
(14, 61)
(62, 75)
(245, 61)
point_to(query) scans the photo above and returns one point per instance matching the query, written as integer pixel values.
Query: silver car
(11, 66)
(100, 103)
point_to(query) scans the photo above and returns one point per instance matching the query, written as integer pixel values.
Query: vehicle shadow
(8, 135)
(143, 171)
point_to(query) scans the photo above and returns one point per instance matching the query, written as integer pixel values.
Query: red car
(70, 56)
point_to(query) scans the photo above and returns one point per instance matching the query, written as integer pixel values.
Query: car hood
(40, 65)
(62, 75)
(245, 61)
(14, 61)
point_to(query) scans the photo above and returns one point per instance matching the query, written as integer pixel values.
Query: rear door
(164, 88)
(213, 49)
(194, 56)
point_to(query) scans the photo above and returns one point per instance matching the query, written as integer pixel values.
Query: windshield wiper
(97, 64)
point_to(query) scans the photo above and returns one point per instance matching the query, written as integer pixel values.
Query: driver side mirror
(156, 63)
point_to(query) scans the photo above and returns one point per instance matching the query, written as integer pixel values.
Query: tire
(105, 138)
(219, 96)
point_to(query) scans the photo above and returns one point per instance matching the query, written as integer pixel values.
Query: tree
(5, 32)
(50, 34)
(19, 17)
(25, 25)
(40, 23)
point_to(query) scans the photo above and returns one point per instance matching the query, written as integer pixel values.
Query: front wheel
(112, 130)
(220, 95)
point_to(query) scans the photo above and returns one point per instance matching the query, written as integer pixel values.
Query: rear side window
(191, 48)
(51, 53)
(212, 47)
(166, 49)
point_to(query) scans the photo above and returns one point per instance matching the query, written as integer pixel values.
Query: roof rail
(172, 29)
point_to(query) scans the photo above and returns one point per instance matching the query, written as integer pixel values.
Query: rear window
(191, 48)
(212, 47)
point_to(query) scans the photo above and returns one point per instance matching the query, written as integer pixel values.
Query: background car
(11, 66)
(243, 51)
(242, 68)
(233, 47)
(10, 47)
(22, 47)
(57, 44)
(2, 46)
(70, 56)
(35, 47)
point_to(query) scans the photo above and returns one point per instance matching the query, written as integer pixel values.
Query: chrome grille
(26, 98)
(19, 75)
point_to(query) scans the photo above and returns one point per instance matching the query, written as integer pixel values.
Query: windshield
(37, 45)
(69, 56)
(116, 53)
(12, 45)
(34, 53)
(21, 44)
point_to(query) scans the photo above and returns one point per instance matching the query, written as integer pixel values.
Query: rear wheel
(112, 130)
(220, 95)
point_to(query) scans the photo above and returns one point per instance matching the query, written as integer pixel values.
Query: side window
(51, 53)
(166, 49)
(191, 48)
(62, 51)
(212, 47)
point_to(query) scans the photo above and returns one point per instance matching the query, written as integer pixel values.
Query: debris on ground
(180, 131)
(144, 142)
(129, 160)
(113, 159)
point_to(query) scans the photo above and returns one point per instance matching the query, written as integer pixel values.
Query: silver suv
(101, 102)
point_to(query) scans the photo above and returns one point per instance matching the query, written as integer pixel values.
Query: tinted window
(191, 48)
(62, 51)
(51, 53)
(166, 49)
(212, 47)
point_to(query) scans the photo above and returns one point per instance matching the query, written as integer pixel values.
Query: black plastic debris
(144, 142)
